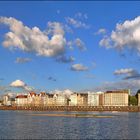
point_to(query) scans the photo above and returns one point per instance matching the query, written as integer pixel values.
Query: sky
(80, 46)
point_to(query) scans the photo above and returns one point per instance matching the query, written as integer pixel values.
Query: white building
(31, 97)
(93, 99)
(60, 99)
(73, 99)
(21, 100)
(6, 100)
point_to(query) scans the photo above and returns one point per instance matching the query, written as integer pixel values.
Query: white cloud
(80, 44)
(70, 44)
(20, 84)
(79, 67)
(76, 23)
(22, 60)
(101, 31)
(33, 39)
(133, 85)
(55, 28)
(128, 72)
(124, 71)
(126, 35)
(81, 15)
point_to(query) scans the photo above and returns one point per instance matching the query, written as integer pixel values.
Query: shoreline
(75, 108)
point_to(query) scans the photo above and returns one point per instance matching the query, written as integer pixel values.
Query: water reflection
(23, 125)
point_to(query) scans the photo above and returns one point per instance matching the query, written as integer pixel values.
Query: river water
(25, 125)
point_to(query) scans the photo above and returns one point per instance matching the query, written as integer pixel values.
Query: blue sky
(95, 57)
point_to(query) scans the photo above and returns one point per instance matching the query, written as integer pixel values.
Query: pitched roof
(21, 96)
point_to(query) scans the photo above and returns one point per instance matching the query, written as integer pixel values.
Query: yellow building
(138, 99)
(50, 100)
(82, 99)
(31, 97)
(116, 98)
(60, 100)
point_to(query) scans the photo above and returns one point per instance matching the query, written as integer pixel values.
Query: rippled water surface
(24, 125)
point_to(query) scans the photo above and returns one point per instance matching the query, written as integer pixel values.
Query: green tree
(133, 100)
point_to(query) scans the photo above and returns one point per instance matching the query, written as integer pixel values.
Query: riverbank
(75, 115)
(74, 108)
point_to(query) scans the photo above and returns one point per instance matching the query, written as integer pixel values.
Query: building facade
(6, 100)
(60, 100)
(21, 100)
(82, 99)
(138, 99)
(116, 98)
(31, 98)
(73, 99)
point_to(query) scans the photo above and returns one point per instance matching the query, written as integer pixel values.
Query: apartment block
(82, 99)
(73, 99)
(116, 98)
(21, 100)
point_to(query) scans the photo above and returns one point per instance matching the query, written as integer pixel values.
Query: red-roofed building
(21, 100)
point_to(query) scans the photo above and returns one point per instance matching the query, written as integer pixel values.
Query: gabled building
(31, 97)
(43, 98)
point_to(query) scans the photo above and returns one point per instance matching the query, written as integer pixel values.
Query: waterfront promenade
(75, 108)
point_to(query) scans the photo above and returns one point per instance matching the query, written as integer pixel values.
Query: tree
(133, 100)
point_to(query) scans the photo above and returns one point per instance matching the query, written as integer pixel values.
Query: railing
(74, 108)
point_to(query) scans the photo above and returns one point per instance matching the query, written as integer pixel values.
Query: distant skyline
(69, 45)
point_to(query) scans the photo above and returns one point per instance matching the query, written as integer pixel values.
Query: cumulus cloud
(64, 59)
(101, 31)
(76, 23)
(81, 15)
(79, 67)
(126, 35)
(55, 28)
(78, 43)
(20, 84)
(128, 72)
(67, 28)
(22, 60)
(33, 39)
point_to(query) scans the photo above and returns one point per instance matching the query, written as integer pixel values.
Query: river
(27, 125)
